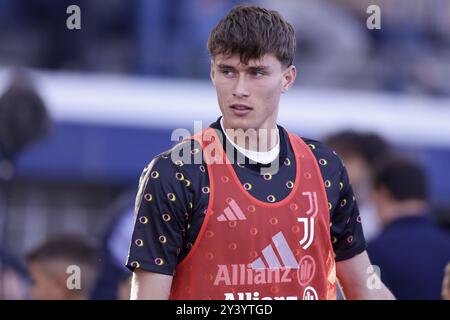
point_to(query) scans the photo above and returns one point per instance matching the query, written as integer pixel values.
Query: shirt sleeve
(347, 235)
(162, 204)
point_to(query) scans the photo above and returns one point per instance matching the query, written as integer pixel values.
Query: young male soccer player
(281, 224)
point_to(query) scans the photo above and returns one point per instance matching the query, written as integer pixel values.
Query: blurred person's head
(51, 268)
(360, 152)
(23, 115)
(13, 278)
(400, 189)
(252, 52)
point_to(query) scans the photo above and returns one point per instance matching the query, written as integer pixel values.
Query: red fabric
(248, 249)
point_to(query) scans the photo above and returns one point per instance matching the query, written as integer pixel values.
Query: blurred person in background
(14, 282)
(51, 268)
(360, 153)
(412, 250)
(24, 120)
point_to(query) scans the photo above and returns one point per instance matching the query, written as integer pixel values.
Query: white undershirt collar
(263, 157)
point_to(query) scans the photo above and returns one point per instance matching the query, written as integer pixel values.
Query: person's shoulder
(167, 168)
(177, 158)
(182, 158)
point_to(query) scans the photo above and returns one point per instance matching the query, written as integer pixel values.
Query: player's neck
(262, 139)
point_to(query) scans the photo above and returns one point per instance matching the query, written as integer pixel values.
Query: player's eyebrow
(224, 66)
(251, 68)
(258, 68)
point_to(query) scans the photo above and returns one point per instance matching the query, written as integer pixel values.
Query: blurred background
(83, 111)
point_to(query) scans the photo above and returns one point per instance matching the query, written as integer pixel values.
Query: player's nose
(240, 89)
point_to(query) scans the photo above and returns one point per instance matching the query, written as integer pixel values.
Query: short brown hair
(76, 249)
(252, 32)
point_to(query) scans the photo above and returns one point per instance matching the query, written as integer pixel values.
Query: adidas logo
(274, 266)
(272, 259)
(273, 270)
(232, 213)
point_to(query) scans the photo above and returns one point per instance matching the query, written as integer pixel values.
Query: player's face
(249, 94)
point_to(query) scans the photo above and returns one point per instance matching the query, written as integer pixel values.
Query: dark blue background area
(110, 154)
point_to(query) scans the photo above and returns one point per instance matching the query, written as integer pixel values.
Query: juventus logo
(308, 223)
(313, 207)
(308, 235)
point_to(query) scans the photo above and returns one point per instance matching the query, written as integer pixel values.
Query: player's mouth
(240, 109)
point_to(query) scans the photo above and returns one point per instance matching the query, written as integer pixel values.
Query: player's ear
(212, 73)
(289, 76)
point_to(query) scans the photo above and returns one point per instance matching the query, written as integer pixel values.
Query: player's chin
(241, 123)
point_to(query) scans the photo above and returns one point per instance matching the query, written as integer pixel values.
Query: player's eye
(257, 73)
(227, 72)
